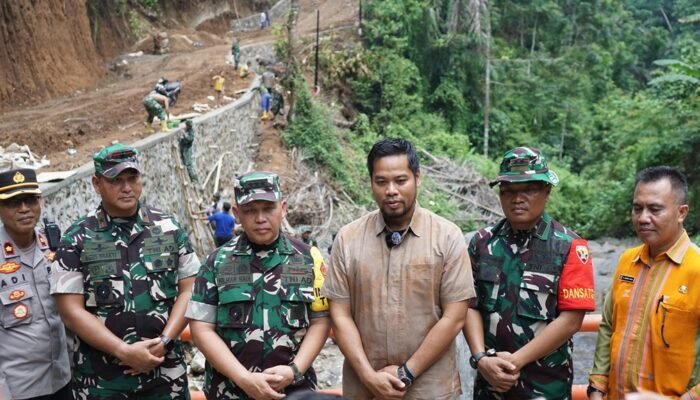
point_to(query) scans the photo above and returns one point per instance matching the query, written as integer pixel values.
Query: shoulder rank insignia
(17, 294)
(20, 311)
(9, 267)
(8, 249)
(50, 255)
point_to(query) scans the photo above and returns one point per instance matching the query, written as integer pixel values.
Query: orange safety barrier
(591, 322)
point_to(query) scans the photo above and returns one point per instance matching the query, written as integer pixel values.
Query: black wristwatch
(592, 389)
(298, 376)
(474, 359)
(405, 375)
(168, 343)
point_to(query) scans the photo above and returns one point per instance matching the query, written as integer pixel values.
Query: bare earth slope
(112, 110)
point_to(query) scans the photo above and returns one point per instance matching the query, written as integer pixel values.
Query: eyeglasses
(528, 191)
(17, 201)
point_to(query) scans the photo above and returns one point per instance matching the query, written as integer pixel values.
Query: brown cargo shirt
(396, 295)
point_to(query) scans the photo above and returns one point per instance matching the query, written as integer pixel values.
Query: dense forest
(603, 87)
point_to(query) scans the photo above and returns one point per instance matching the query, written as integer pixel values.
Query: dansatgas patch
(582, 253)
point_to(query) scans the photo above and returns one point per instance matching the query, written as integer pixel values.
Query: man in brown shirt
(398, 284)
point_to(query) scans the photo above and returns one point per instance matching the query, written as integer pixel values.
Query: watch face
(472, 362)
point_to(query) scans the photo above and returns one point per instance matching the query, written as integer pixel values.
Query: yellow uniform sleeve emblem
(320, 303)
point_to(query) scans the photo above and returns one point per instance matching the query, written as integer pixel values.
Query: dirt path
(91, 118)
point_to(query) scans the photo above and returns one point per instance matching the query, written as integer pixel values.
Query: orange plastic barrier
(591, 322)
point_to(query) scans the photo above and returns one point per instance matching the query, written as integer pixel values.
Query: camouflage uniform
(523, 280)
(128, 271)
(236, 53)
(153, 108)
(186, 142)
(261, 304)
(516, 295)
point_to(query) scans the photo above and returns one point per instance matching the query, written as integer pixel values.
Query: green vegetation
(135, 24)
(604, 88)
(151, 4)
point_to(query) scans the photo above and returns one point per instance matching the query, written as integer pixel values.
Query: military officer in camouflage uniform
(33, 353)
(256, 311)
(122, 278)
(534, 283)
(186, 142)
(156, 104)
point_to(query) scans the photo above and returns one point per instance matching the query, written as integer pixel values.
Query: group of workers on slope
(401, 284)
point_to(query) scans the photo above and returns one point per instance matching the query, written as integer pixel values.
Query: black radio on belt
(53, 234)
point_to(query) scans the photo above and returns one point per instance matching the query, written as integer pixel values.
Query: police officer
(254, 301)
(33, 353)
(122, 279)
(534, 283)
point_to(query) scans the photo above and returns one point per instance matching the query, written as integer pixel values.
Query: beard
(397, 215)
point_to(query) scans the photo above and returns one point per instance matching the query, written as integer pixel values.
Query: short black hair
(654, 174)
(391, 147)
(226, 206)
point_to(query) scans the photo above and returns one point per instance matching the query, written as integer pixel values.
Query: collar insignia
(42, 242)
(8, 249)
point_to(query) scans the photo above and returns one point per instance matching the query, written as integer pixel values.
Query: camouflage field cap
(114, 159)
(257, 185)
(525, 164)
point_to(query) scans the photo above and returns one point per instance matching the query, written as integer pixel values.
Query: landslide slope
(45, 49)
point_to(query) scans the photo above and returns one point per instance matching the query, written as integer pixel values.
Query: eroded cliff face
(45, 49)
(54, 47)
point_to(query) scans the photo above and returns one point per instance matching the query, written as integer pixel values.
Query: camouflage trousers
(97, 376)
(154, 109)
(186, 156)
(162, 388)
(220, 388)
(520, 392)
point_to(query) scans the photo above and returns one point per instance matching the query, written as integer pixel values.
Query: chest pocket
(160, 256)
(488, 281)
(105, 286)
(538, 295)
(236, 304)
(17, 306)
(296, 295)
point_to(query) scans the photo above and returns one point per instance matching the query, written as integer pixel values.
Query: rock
(197, 364)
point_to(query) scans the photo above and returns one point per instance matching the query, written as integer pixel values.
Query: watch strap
(298, 376)
(168, 343)
(404, 376)
(592, 389)
(409, 373)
